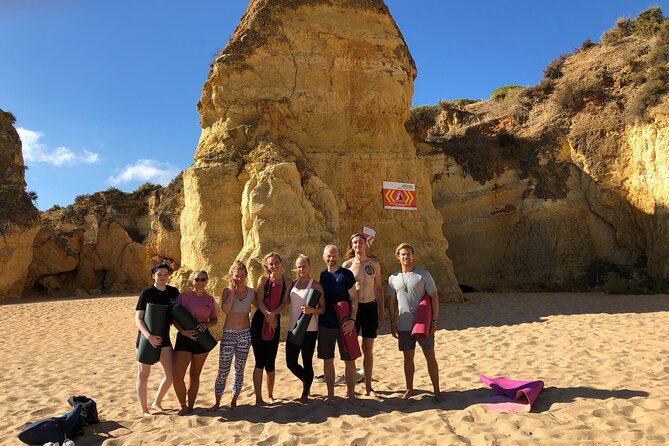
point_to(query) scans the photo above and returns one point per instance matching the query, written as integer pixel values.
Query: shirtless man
(367, 273)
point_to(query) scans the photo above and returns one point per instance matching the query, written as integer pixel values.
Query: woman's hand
(190, 334)
(308, 310)
(154, 340)
(202, 326)
(271, 319)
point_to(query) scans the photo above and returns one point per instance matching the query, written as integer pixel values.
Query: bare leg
(329, 373)
(257, 386)
(181, 361)
(270, 385)
(409, 369)
(196, 365)
(368, 363)
(350, 372)
(433, 370)
(166, 382)
(143, 372)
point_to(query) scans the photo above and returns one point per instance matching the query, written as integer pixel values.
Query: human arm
(434, 298)
(392, 309)
(349, 324)
(320, 309)
(154, 340)
(378, 293)
(213, 317)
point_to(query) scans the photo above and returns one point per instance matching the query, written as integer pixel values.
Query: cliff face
(302, 120)
(19, 219)
(563, 183)
(106, 242)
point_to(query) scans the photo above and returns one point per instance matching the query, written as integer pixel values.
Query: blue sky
(104, 92)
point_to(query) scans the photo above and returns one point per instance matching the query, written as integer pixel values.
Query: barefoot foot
(408, 394)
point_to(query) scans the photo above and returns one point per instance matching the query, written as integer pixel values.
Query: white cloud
(36, 152)
(145, 171)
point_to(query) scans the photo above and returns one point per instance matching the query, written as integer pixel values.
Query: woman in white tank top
(298, 294)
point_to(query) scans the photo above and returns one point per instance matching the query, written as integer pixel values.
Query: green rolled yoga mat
(297, 335)
(155, 318)
(183, 317)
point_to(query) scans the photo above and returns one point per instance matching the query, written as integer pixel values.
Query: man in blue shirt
(338, 285)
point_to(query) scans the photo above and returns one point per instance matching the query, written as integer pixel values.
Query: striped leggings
(233, 343)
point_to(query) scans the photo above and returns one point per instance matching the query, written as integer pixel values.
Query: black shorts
(184, 344)
(367, 319)
(327, 338)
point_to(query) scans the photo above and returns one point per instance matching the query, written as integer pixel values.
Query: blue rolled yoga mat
(297, 334)
(183, 317)
(155, 318)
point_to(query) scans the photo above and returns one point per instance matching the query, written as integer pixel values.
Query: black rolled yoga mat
(297, 334)
(183, 317)
(155, 318)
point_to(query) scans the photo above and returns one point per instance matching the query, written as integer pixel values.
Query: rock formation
(107, 241)
(567, 181)
(19, 219)
(302, 120)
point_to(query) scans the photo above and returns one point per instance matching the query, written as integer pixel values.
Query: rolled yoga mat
(351, 345)
(272, 302)
(423, 318)
(183, 317)
(155, 318)
(297, 334)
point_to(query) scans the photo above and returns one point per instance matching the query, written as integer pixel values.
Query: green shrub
(587, 44)
(458, 104)
(648, 22)
(615, 35)
(32, 195)
(422, 113)
(574, 95)
(554, 69)
(539, 92)
(506, 92)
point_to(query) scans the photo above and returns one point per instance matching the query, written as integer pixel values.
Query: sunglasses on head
(201, 279)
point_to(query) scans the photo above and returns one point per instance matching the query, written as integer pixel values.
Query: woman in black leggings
(272, 297)
(298, 294)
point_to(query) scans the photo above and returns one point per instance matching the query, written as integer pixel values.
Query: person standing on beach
(236, 303)
(338, 285)
(187, 351)
(406, 288)
(367, 273)
(266, 323)
(298, 295)
(159, 293)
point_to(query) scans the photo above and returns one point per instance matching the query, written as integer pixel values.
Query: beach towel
(188, 322)
(273, 301)
(300, 329)
(512, 395)
(351, 346)
(423, 318)
(155, 318)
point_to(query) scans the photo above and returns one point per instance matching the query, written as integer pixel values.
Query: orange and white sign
(401, 196)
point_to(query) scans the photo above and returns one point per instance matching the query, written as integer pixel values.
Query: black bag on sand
(89, 412)
(53, 429)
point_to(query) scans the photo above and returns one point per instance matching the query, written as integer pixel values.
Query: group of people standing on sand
(357, 281)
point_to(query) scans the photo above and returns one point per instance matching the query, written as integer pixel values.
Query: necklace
(406, 288)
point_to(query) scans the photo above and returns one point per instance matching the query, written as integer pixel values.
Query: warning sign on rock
(400, 196)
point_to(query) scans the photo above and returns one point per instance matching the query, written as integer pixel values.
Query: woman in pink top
(187, 350)
(298, 294)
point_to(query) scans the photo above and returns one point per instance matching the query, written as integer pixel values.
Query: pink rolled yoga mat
(351, 345)
(423, 318)
(273, 302)
(512, 395)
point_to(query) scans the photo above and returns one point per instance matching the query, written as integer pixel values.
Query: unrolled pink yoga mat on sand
(512, 395)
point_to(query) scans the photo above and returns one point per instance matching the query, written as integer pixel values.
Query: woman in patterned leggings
(236, 340)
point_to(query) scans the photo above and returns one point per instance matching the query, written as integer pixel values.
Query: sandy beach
(603, 359)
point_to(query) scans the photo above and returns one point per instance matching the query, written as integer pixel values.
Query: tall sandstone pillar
(302, 120)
